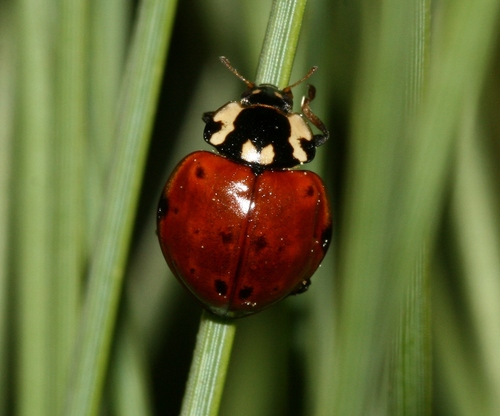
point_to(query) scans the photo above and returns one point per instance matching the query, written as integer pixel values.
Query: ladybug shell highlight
(242, 240)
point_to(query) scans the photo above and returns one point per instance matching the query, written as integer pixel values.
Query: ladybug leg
(301, 287)
(319, 139)
(208, 116)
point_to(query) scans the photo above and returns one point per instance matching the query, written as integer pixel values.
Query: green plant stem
(280, 44)
(129, 376)
(108, 39)
(33, 219)
(209, 366)
(469, 393)
(69, 154)
(410, 377)
(215, 336)
(475, 220)
(138, 103)
(7, 89)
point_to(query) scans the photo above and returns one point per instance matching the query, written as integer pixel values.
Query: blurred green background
(403, 316)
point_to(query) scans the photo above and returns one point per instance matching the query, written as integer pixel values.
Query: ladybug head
(267, 94)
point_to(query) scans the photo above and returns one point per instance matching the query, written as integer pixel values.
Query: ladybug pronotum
(240, 229)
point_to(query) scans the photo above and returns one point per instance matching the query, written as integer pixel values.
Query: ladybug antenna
(226, 62)
(306, 76)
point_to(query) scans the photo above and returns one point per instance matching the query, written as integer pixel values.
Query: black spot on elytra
(163, 206)
(260, 243)
(221, 287)
(227, 238)
(200, 172)
(245, 292)
(192, 271)
(326, 237)
(309, 191)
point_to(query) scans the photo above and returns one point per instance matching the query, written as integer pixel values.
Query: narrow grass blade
(410, 377)
(109, 33)
(129, 379)
(209, 366)
(280, 43)
(138, 103)
(461, 389)
(475, 219)
(33, 201)
(7, 100)
(69, 153)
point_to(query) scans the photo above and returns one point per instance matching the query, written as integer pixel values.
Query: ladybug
(240, 229)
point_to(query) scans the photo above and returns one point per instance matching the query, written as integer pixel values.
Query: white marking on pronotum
(250, 153)
(267, 155)
(299, 129)
(226, 116)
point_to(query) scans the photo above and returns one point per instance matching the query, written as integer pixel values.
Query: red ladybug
(241, 230)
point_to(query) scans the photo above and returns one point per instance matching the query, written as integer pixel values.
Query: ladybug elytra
(240, 229)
